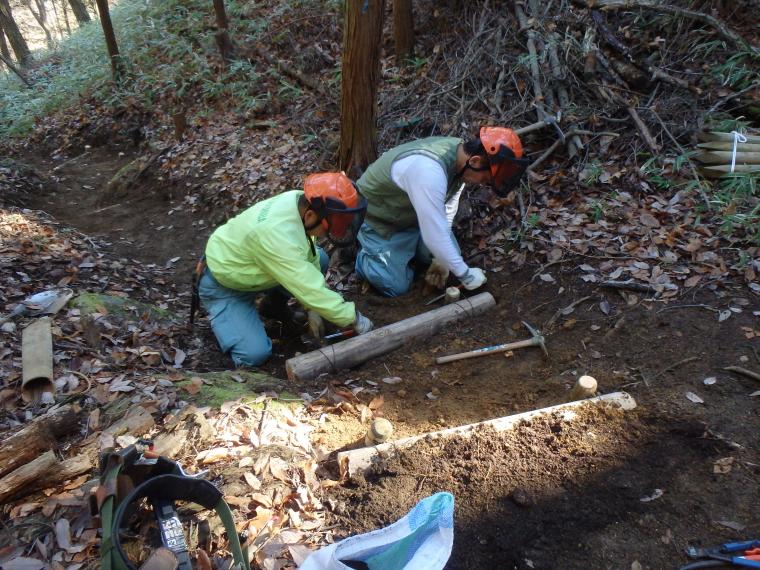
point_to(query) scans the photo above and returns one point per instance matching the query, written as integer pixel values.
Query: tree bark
(80, 11)
(40, 434)
(361, 74)
(113, 48)
(17, 41)
(4, 50)
(223, 40)
(403, 29)
(15, 481)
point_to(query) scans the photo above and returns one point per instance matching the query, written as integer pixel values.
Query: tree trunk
(223, 40)
(17, 41)
(66, 17)
(80, 11)
(403, 29)
(4, 50)
(361, 74)
(41, 16)
(113, 49)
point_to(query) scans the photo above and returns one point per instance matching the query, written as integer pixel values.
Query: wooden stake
(359, 349)
(37, 360)
(359, 460)
(585, 387)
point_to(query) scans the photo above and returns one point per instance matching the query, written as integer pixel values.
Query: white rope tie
(738, 138)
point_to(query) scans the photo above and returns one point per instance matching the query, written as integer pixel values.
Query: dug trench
(612, 490)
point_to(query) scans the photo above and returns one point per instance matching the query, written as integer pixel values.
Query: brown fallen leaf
(376, 402)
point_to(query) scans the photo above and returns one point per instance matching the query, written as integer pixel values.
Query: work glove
(362, 324)
(316, 325)
(474, 278)
(437, 274)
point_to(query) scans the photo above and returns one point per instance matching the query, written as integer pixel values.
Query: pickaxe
(536, 340)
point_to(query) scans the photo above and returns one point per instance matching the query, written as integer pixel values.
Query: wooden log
(726, 156)
(359, 349)
(729, 145)
(359, 460)
(63, 471)
(37, 360)
(709, 136)
(15, 481)
(39, 435)
(721, 170)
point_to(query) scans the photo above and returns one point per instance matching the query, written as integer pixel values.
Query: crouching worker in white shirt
(412, 192)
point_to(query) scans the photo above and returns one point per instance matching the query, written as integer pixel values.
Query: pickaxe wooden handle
(536, 340)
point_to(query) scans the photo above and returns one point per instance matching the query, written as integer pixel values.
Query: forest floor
(611, 489)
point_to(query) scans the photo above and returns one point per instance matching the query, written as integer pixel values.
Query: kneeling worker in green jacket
(271, 247)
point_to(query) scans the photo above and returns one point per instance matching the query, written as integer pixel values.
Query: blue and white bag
(421, 540)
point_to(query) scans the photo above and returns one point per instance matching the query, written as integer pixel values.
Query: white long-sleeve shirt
(425, 182)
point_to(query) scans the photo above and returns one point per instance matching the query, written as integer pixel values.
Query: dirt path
(584, 505)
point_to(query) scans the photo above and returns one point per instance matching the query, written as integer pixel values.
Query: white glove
(362, 324)
(436, 274)
(474, 278)
(316, 325)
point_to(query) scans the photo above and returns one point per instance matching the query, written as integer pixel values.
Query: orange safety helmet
(505, 157)
(339, 205)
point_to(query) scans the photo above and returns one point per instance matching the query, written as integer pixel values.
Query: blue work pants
(235, 319)
(386, 263)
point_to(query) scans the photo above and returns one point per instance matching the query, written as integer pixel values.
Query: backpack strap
(163, 490)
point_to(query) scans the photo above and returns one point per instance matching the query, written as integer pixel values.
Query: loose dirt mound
(554, 494)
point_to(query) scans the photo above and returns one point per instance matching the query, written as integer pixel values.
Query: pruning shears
(745, 554)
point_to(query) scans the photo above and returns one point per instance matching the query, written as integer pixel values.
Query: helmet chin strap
(467, 166)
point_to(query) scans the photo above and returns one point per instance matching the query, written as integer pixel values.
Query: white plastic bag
(421, 540)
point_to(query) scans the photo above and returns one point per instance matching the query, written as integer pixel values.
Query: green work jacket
(265, 246)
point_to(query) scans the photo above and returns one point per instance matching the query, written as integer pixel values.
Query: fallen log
(40, 434)
(359, 349)
(63, 471)
(15, 481)
(37, 360)
(359, 460)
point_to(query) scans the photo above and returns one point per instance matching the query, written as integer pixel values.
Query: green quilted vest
(389, 209)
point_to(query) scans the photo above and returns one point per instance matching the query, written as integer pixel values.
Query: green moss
(120, 306)
(221, 387)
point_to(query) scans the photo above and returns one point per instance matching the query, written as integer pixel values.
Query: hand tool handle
(486, 350)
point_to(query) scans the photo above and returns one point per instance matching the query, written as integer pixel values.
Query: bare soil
(546, 495)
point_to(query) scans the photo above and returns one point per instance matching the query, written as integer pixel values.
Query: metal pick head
(538, 336)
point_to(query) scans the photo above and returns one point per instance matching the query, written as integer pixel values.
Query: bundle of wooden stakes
(716, 154)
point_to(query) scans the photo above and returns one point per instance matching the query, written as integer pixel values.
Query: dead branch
(574, 144)
(720, 27)
(538, 93)
(617, 45)
(743, 372)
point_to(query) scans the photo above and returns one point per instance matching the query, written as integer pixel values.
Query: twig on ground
(743, 372)
(675, 365)
(559, 312)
